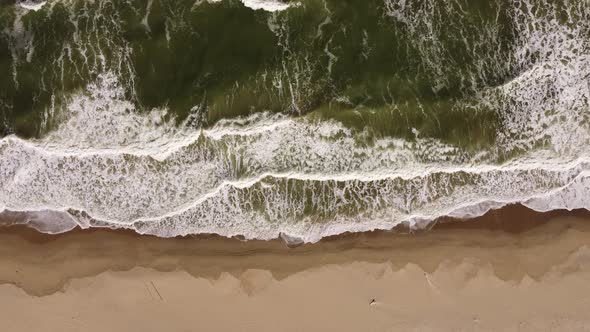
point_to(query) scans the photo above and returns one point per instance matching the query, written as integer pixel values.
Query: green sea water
(346, 60)
(269, 115)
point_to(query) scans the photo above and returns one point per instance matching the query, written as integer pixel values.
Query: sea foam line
(161, 152)
(415, 221)
(408, 175)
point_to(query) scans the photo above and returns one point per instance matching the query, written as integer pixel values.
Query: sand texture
(470, 276)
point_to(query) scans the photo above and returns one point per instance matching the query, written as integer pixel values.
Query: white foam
(101, 120)
(267, 174)
(32, 5)
(267, 5)
(45, 221)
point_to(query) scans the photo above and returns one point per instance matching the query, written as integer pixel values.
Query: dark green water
(347, 60)
(178, 117)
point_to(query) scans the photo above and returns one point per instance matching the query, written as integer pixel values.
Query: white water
(107, 165)
(267, 5)
(256, 176)
(32, 5)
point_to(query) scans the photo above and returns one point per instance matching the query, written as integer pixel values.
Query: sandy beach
(511, 270)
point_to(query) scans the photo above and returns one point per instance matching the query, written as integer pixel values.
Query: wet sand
(512, 269)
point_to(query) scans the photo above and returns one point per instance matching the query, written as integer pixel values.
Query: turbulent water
(307, 118)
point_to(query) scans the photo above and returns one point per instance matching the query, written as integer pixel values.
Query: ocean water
(308, 118)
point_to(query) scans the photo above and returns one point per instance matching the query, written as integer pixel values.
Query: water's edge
(509, 217)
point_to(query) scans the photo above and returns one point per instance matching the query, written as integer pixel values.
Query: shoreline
(511, 269)
(88, 252)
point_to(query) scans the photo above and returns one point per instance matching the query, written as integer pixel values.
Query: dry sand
(512, 270)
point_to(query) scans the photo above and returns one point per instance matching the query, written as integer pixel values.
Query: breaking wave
(106, 161)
